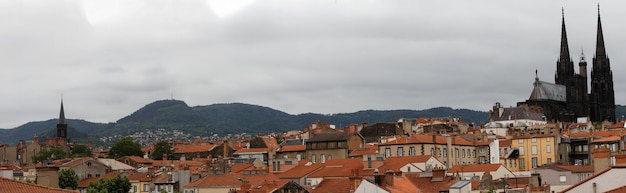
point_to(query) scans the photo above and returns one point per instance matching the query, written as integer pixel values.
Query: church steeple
(61, 126)
(564, 66)
(600, 51)
(564, 46)
(62, 114)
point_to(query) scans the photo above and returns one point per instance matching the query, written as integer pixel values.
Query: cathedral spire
(564, 65)
(600, 51)
(564, 47)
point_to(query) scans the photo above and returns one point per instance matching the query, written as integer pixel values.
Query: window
(387, 152)
(562, 178)
(135, 188)
(411, 151)
(520, 141)
(548, 148)
(463, 153)
(534, 140)
(299, 157)
(521, 150)
(549, 161)
(146, 187)
(438, 152)
(535, 162)
(432, 151)
(323, 158)
(481, 149)
(286, 156)
(548, 139)
(313, 158)
(522, 164)
(400, 151)
(457, 153)
(445, 152)
(330, 156)
(474, 153)
(533, 150)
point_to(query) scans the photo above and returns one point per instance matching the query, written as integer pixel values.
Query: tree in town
(118, 184)
(50, 154)
(68, 179)
(125, 147)
(162, 147)
(81, 151)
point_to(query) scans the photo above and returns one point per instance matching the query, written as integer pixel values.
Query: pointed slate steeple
(61, 126)
(62, 114)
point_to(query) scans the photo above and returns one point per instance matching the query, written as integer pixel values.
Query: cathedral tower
(602, 97)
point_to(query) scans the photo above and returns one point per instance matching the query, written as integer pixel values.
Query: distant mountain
(77, 129)
(221, 119)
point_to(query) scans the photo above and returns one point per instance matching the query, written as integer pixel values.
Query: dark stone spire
(564, 66)
(600, 51)
(564, 45)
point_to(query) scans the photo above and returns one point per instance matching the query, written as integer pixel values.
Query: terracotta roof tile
(475, 168)
(300, 170)
(369, 149)
(576, 169)
(334, 185)
(617, 190)
(253, 150)
(236, 168)
(607, 139)
(395, 163)
(14, 186)
(195, 148)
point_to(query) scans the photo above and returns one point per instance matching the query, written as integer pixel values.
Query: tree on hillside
(51, 154)
(68, 179)
(125, 147)
(118, 184)
(162, 147)
(81, 151)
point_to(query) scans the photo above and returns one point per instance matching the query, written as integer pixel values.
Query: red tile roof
(236, 168)
(395, 163)
(254, 150)
(576, 169)
(14, 186)
(369, 149)
(139, 159)
(475, 168)
(617, 190)
(528, 136)
(301, 170)
(505, 143)
(195, 148)
(607, 139)
(334, 185)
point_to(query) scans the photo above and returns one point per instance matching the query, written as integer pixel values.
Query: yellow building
(530, 151)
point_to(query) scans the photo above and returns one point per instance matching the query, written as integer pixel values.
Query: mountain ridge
(224, 118)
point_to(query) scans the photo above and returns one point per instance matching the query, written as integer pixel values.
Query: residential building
(563, 176)
(452, 150)
(332, 145)
(533, 150)
(607, 180)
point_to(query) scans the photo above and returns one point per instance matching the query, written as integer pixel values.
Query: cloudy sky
(110, 58)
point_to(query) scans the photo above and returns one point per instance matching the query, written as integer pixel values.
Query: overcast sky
(110, 58)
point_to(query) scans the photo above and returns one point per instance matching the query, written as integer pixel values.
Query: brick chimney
(601, 159)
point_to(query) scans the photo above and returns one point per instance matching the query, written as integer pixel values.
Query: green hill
(220, 119)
